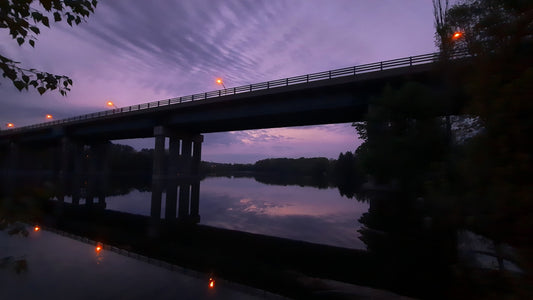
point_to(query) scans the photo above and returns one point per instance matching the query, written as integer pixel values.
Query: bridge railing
(349, 71)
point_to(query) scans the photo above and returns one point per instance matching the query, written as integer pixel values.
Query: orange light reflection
(211, 283)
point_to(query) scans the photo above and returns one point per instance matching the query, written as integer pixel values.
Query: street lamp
(111, 104)
(219, 81)
(10, 125)
(49, 117)
(457, 35)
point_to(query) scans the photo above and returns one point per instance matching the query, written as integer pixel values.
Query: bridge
(334, 96)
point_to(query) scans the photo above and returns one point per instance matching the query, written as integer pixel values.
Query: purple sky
(133, 51)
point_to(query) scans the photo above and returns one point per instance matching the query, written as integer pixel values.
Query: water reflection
(412, 249)
(295, 212)
(57, 267)
(302, 213)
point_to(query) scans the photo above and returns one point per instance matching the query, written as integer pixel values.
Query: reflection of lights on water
(211, 283)
(99, 253)
(36, 228)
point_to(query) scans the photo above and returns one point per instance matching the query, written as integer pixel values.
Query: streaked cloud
(139, 51)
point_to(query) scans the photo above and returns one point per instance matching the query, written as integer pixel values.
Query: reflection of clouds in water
(259, 207)
(336, 230)
(299, 213)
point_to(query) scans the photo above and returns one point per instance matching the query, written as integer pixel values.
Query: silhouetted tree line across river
(318, 172)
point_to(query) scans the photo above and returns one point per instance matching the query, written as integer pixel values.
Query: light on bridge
(219, 81)
(111, 104)
(10, 125)
(98, 248)
(457, 35)
(36, 228)
(49, 117)
(211, 283)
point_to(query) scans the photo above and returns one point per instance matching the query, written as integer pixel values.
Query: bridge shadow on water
(401, 255)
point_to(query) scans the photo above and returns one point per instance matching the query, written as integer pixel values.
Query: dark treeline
(318, 172)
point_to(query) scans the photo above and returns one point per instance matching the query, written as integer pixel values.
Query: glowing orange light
(211, 283)
(10, 125)
(457, 35)
(219, 81)
(98, 248)
(49, 117)
(110, 103)
(36, 228)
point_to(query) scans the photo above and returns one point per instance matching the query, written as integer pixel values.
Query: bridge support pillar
(13, 158)
(185, 151)
(83, 168)
(97, 175)
(180, 177)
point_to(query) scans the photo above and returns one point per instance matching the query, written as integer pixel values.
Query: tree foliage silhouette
(24, 22)
(492, 175)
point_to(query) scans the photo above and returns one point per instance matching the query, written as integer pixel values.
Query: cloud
(134, 52)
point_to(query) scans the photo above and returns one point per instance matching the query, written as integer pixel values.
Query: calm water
(309, 214)
(58, 267)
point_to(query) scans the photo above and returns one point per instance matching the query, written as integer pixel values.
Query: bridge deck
(334, 96)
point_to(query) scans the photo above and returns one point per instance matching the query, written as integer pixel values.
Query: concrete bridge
(335, 96)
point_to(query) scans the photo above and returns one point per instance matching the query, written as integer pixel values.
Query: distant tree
(24, 21)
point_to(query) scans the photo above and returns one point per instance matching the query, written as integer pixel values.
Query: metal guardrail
(344, 72)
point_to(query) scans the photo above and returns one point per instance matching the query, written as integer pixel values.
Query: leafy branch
(23, 21)
(25, 78)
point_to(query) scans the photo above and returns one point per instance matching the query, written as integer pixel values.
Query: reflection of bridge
(182, 206)
(335, 96)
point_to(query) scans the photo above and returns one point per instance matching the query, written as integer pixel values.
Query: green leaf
(20, 41)
(19, 85)
(41, 90)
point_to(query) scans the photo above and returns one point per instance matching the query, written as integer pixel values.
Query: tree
(24, 22)
(442, 28)
(404, 136)
(494, 168)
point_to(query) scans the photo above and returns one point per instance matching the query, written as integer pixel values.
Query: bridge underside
(336, 100)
